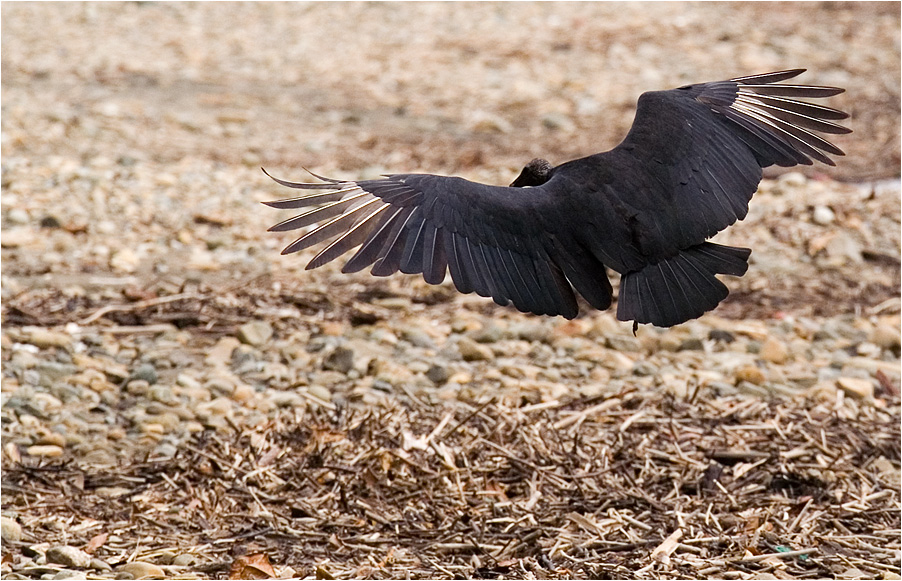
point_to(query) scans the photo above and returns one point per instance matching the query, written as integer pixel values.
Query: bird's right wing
(493, 240)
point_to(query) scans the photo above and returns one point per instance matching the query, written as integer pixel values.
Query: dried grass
(635, 485)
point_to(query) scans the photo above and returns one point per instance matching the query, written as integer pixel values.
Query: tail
(680, 288)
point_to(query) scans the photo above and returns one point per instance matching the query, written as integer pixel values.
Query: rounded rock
(141, 570)
(774, 351)
(10, 530)
(470, 350)
(68, 556)
(255, 333)
(48, 451)
(749, 373)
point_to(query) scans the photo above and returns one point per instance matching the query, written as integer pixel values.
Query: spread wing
(693, 157)
(686, 170)
(491, 239)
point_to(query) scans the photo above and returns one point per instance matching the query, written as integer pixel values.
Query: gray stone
(255, 333)
(51, 372)
(721, 335)
(438, 374)
(692, 344)
(623, 343)
(341, 359)
(531, 332)
(147, 372)
(490, 333)
(100, 565)
(644, 369)
(418, 338)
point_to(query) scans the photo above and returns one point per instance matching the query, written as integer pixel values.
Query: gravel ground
(176, 394)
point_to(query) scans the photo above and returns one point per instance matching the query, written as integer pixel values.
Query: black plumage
(686, 170)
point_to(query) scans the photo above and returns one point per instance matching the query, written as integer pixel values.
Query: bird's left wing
(493, 240)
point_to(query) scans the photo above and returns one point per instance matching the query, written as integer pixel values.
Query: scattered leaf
(254, 566)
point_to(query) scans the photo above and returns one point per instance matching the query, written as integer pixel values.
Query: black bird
(685, 171)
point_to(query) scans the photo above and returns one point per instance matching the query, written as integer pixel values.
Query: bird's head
(535, 173)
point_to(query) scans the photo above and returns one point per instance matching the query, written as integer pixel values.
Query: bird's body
(687, 169)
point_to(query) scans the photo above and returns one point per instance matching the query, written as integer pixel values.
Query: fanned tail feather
(680, 288)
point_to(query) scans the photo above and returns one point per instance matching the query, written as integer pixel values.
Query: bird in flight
(685, 171)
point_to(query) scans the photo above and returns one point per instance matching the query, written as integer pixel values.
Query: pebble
(823, 215)
(622, 343)
(774, 351)
(721, 335)
(125, 260)
(146, 372)
(45, 338)
(255, 333)
(856, 387)
(470, 350)
(221, 353)
(141, 570)
(418, 338)
(692, 344)
(438, 374)
(68, 556)
(749, 373)
(48, 451)
(341, 359)
(886, 337)
(10, 530)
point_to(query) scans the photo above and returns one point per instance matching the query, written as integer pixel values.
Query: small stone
(622, 343)
(51, 372)
(845, 248)
(319, 392)
(692, 344)
(45, 338)
(68, 556)
(49, 451)
(721, 335)
(823, 215)
(99, 565)
(221, 353)
(749, 373)
(558, 121)
(137, 387)
(125, 260)
(162, 394)
(141, 570)
(490, 333)
(470, 350)
(184, 560)
(860, 388)
(886, 337)
(18, 216)
(255, 333)
(644, 369)
(51, 439)
(341, 359)
(532, 332)
(147, 372)
(854, 573)
(10, 530)
(438, 374)
(791, 180)
(774, 351)
(418, 338)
